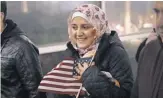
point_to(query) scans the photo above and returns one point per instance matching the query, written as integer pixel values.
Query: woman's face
(82, 32)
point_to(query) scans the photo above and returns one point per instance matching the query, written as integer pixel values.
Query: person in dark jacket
(110, 75)
(20, 66)
(149, 81)
(151, 37)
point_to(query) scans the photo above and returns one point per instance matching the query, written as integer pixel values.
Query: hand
(81, 69)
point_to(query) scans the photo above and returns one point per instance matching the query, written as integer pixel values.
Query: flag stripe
(62, 71)
(60, 77)
(59, 86)
(62, 81)
(67, 67)
(68, 62)
(60, 74)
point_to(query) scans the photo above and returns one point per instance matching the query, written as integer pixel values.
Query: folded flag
(60, 80)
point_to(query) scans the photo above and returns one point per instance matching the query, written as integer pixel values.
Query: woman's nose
(79, 32)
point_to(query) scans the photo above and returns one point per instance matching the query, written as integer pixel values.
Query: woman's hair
(94, 15)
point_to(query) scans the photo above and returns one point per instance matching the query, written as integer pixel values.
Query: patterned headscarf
(95, 16)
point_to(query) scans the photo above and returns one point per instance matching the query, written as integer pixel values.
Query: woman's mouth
(81, 39)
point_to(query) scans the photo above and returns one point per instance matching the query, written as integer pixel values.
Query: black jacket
(110, 57)
(20, 66)
(149, 78)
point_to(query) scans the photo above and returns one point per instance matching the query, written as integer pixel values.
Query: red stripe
(63, 69)
(62, 75)
(67, 64)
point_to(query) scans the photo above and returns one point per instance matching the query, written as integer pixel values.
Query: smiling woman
(83, 32)
(86, 26)
(101, 63)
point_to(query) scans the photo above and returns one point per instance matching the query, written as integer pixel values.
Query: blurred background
(45, 23)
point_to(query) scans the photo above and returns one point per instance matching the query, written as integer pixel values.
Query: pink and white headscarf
(94, 15)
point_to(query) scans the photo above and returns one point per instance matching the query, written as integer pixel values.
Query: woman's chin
(81, 46)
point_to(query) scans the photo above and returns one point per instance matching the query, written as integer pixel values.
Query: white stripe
(59, 77)
(61, 84)
(66, 67)
(58, 89)
(58, 65)
(68, 61)
(61, 72)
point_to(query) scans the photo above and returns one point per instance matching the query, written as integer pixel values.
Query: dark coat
(20, 66)
(150, 71)
(111, 57)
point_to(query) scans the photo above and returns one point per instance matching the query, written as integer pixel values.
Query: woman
(110, 75)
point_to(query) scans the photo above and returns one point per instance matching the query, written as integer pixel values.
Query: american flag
(60, 80)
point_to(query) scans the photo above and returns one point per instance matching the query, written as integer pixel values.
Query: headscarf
(96, 17)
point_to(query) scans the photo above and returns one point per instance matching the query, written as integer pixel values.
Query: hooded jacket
(110, 57)
(20, 66)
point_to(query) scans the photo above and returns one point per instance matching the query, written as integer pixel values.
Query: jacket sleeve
(29, 69)
(99, 86)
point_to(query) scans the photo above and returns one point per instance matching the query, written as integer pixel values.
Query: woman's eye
(74, 27)
(86, 27)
